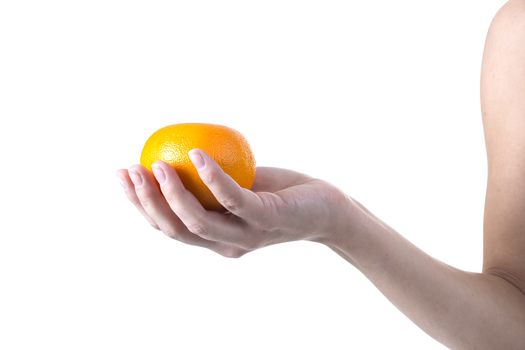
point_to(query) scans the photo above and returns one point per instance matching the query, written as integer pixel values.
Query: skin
(462, 310)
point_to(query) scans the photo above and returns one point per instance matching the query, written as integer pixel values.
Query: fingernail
(196, 159)
(135, 178)
(159, 174)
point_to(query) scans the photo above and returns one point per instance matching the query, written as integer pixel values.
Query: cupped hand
(281, 206)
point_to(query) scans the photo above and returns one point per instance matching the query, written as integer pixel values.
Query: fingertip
(122, 176)
(197, 158)
(164, 167)
(121, 173)
(159, 163)
(136, 175)
(158, 172)
(195, 150)
(136, 168)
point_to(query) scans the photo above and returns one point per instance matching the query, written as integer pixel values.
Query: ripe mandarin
(225, 145)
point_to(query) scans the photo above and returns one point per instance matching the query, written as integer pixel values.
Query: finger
(153, 202)
(183, 236)
(206, 224)
(236, 199)
(156, 207)
(129, 189)
(151, 199)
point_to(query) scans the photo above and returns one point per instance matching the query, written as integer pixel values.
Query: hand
(282, 206)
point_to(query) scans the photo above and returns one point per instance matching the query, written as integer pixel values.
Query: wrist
(341, 222)
(353, 233)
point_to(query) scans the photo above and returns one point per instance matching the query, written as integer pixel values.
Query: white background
(379, 97)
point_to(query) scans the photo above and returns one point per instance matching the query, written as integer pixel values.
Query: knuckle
(168, 191)
(154, 225)
(132, 196)
(336, 196)
(231, 203)
(169, 196)
(147, 202)
(146, 198)
(233, 253)
(209, 176)
(199, 229)
(171, 233)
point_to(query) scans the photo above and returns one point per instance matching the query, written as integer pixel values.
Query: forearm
(460, 309)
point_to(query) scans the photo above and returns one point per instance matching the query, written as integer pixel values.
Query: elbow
(507, 275)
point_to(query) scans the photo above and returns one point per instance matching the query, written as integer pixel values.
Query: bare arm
(503, 106)
(461, 309)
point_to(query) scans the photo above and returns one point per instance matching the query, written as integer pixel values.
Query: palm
(303, 202)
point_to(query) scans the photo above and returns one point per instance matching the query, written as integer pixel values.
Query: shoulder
(506, 35)
(510, 18)
(512, 6)
(503, 71)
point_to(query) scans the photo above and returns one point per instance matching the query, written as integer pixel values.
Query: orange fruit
(225, 145)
